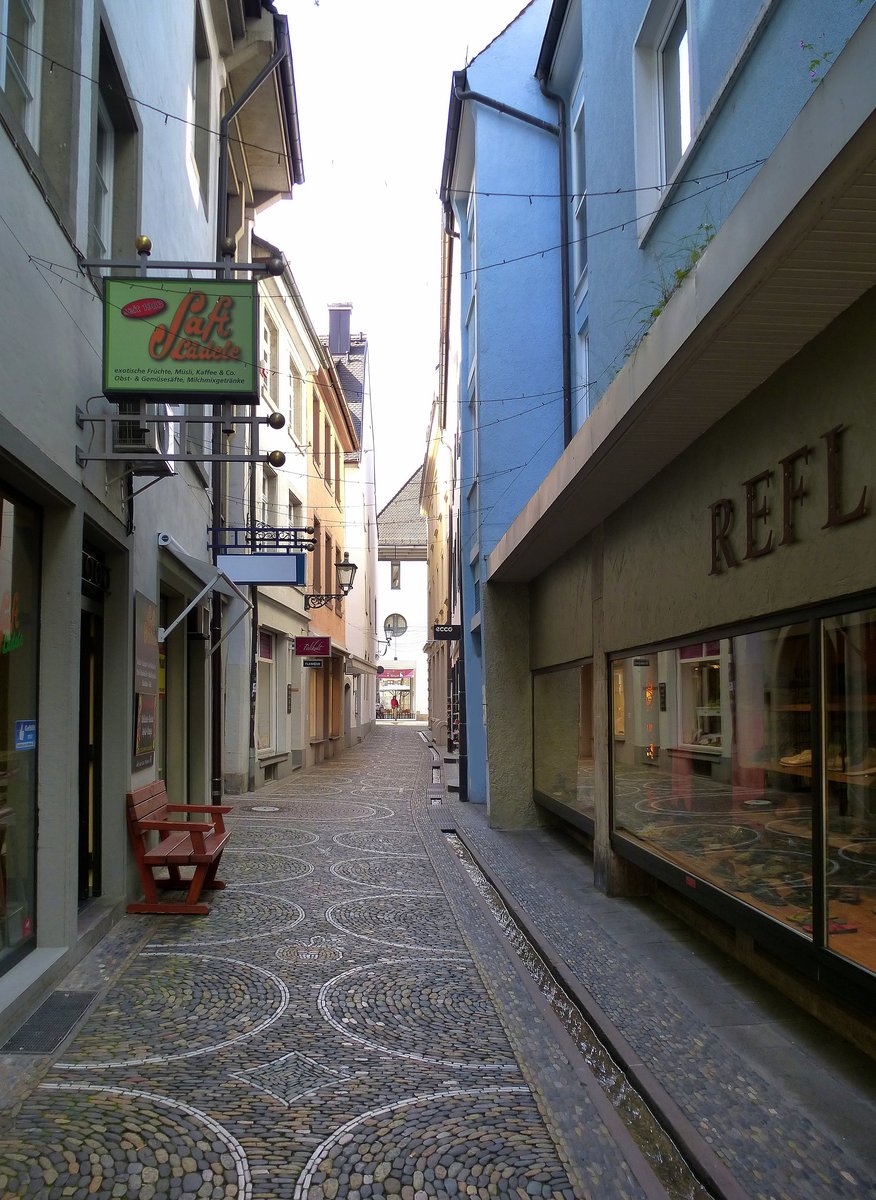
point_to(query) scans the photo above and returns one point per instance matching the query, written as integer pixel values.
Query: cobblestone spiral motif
(200, 1002)
(382, 841)
(236, 915)
(268, 835)
(246, 867)
(409, 874)
(398, 920)
(441, 1017)
(124, 1143)
(483, 1143)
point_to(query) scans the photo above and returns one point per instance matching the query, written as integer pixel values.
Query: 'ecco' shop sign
(757, 534)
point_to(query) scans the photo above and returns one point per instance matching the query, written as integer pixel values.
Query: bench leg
(211, 883)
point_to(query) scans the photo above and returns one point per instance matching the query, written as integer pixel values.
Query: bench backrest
(146, 803)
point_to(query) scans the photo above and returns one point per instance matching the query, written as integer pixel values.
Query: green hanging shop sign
(191, 339)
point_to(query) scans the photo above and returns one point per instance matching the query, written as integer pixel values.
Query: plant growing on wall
(673, 267)
(669, 278)
(819, 61)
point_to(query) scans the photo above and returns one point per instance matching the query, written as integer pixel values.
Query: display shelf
(804, 771)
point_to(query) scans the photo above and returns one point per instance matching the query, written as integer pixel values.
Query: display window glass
(562, 704)
(849, 721)
(20, 548)
(736, 768)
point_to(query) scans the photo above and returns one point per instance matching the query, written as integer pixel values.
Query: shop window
(266, 706)
(849, 720)
(20, 549)
(715, 772)
(21, 24)
(563, 767)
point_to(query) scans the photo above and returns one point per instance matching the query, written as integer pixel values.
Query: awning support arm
(164, 634)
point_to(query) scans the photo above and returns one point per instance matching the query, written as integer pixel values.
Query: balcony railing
(261, 539)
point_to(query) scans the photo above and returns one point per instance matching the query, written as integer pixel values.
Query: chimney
(339, 329)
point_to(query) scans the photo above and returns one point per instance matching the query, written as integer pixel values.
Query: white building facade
(106, 573)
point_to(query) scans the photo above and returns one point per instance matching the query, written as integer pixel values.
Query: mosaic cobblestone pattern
(773, 1149)
(344, 1023)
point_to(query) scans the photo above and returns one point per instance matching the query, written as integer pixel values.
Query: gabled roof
(402, 532)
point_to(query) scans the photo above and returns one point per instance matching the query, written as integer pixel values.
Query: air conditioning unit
(145, 443)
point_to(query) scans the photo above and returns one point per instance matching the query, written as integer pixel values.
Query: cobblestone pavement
(347, 1022)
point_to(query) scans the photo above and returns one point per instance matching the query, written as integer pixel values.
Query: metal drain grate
(44, 1032)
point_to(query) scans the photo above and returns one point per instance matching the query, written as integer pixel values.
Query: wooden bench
(180, 843)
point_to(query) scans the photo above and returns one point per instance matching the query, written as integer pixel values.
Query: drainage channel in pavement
(663, 1156)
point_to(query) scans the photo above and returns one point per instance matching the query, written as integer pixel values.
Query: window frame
(28, 82)
(579, 185)
(652, 170)
(201, 108)
(675, 122)
(102, 180)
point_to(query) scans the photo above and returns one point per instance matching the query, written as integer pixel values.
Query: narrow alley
(351, 1020)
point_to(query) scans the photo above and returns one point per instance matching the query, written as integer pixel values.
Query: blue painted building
(668, 435)
(502, 139)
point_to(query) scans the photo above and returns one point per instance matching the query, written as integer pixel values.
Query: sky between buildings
(373, 84)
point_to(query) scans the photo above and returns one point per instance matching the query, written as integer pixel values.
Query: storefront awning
(213, 580)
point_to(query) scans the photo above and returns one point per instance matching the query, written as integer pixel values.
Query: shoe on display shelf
(803, 759)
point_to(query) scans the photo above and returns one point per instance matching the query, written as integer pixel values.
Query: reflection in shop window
(849, 707)
(699, 677)
(714, 774)
(617, 693)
